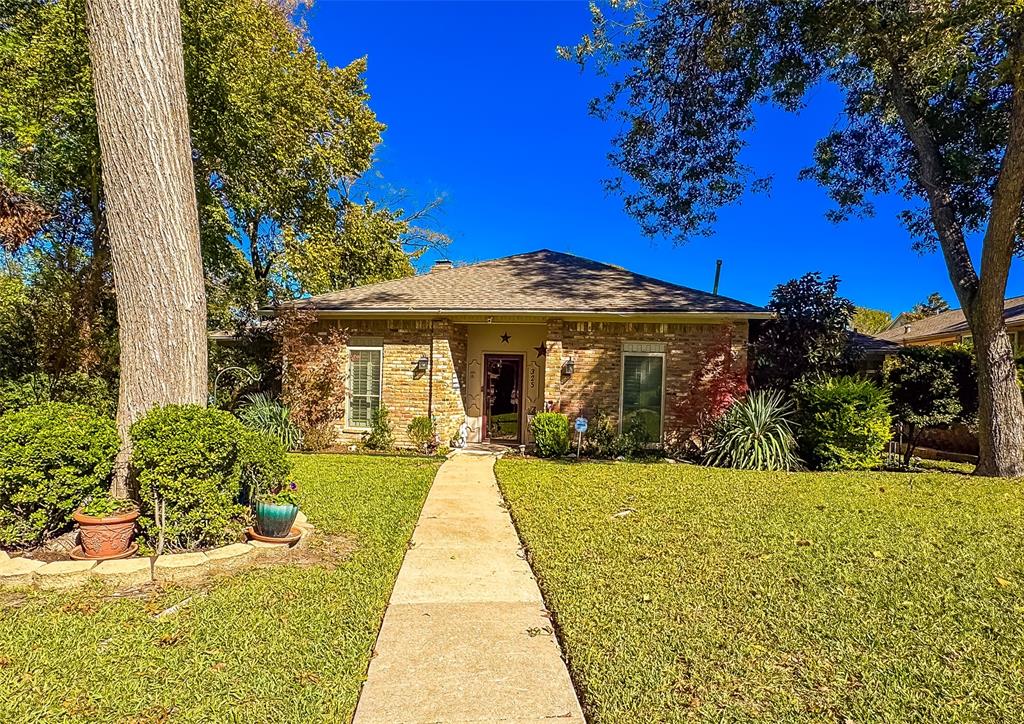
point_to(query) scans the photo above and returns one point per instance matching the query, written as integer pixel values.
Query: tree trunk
(1000, 407)
(139, 80)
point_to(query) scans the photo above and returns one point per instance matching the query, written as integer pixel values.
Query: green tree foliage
(810, 335)
(931, 387)
(931, 306)
(844, 423)
(933, 111)
(281, 141)
(870, 321)
(381, 435)
(17, 343)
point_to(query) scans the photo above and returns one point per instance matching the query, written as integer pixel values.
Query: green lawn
(738, 596)
(278, 644)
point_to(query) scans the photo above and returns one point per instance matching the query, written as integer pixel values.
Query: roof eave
(539, 313)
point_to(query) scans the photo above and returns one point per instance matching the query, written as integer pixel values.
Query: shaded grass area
(277, 644)
(686, 593)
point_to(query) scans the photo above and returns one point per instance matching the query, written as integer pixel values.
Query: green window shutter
(642, 391)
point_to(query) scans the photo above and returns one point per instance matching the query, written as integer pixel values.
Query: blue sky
(480, 109)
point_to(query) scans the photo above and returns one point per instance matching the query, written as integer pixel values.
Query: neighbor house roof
(543, 281)
(948, 324)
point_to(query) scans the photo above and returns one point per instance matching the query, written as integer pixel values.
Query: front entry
(503, 398)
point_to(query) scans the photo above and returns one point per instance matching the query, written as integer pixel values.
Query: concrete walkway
(466, 637)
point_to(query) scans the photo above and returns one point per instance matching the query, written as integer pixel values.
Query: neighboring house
(949, 328)
(481, 348)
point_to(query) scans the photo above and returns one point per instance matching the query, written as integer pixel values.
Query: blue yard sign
(581, 424)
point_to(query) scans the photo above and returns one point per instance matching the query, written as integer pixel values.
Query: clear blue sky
(480, 109)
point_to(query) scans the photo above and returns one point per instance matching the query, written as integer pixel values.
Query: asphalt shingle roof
(540, 281)
(949, 324)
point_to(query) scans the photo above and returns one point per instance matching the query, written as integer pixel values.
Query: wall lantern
(568, 367)
(421, 364)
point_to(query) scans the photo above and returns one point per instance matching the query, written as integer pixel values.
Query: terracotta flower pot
(106, 537)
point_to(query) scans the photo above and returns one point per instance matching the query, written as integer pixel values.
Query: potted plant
(105, 526)
(276, 509)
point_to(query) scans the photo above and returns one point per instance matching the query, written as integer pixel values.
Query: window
(364, 376)
(643, 379)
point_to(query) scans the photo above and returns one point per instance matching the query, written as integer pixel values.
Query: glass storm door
(503, 397)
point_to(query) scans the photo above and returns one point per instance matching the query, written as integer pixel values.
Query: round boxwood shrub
(844, 423)
(52, 457)
(203, 464)
(550, 434)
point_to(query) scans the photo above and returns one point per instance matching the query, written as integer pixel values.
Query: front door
(503, 397)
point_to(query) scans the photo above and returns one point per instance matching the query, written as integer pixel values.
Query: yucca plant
(756, 433)
(262, 413)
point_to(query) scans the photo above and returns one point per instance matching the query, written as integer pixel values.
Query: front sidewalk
(466, 636)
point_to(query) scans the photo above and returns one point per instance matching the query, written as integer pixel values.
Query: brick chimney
(441, 265)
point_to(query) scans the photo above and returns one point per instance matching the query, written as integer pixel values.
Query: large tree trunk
(1000, 407)
(139, 80)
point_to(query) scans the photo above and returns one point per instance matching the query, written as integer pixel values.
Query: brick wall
(405, 392)
(596, 350)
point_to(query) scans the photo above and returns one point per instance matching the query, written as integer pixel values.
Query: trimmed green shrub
(844, 423)
(202, 463)
(550, 434)
(421, 432)
(260, 412)
(52, 458)
(380, 436)
(756, 433)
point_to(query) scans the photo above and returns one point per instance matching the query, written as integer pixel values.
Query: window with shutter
(643, 378)
(364, 377)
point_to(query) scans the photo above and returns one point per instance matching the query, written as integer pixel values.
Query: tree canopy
(933, 111)
(871, 321)
(282, 142)
(809, 336)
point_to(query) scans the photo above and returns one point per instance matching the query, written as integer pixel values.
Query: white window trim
(622, 386)
(349, 425)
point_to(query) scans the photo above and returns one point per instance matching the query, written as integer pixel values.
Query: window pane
(641, 392)
(364, 385)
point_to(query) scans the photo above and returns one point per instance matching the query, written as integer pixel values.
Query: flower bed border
(128, 572)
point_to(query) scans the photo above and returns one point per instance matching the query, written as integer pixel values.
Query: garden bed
(685, 593)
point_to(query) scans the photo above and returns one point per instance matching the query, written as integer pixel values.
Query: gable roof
(949, 324)
(538, 282)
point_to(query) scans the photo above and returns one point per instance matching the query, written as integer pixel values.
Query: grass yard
(685, 593)
(277, 644)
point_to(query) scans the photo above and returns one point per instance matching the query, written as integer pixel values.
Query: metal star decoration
(505, 338)
(542, 350)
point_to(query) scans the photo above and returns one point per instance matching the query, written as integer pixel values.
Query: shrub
(421, 432)
(52, 458)
(931, 387)
(77, 388)
(550, 434)
(756, 433)
(381, 435)
(201, 462)
(262, 413)
(844, 423)
(602, 437)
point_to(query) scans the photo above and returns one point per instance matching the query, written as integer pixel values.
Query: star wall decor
(542, 350)
(505, 338)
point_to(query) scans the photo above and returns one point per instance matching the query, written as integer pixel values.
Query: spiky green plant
(755, 434)
(262, 413)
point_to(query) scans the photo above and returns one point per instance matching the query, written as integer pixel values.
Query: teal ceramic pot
(275, 521)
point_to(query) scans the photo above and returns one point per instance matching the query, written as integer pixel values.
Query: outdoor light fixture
(421, 364)
(569, 367)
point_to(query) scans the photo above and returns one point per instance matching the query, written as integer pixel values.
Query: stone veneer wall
(596, 349)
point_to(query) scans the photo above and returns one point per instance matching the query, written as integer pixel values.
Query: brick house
(483, 347)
